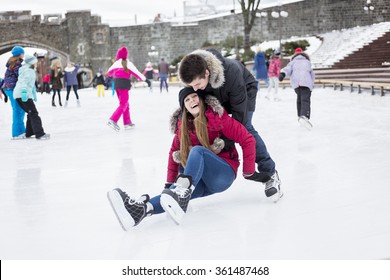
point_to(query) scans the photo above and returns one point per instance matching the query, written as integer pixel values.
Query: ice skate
(66, 104)
(128, 126)
(128, 211)
(272, 187)
(19, 137)
(175, 201)
(113, 125)
(304, 122)
(45, 136)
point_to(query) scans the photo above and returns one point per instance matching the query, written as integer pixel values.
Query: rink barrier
(382, 88)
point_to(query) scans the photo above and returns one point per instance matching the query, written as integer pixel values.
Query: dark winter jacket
(219, 124)
(232, 84)
(11, 75)
(56, 81)
(99, 78)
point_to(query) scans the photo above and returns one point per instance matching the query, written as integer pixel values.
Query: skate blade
(124, 218)
(275, 198)
(113, 127)
(173, 210)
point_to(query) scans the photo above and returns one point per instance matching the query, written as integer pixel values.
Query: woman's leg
(123, 96)
(18, 127)
(210, 174)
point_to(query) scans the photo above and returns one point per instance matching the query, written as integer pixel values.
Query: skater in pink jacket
(121, 71)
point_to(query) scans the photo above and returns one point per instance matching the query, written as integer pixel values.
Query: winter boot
(175, 200)
(272, 187)
(53, 104)
(130, 212)
(113, 125)
(304, 121)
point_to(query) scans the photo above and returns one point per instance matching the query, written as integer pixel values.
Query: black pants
(75, 87)
(45, 87)
(34, 123)
(59, 95)
(149, 83)
(303, 101)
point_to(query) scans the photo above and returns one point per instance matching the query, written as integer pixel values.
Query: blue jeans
(18, 114)
(263, 159)
(210, 174)
(163, 80)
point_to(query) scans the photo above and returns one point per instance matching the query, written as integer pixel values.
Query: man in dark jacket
(236, 89)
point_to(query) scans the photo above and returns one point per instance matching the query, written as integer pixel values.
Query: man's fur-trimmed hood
(210, 100)
(217, 76)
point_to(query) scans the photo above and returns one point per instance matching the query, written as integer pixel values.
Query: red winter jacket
(219, 124)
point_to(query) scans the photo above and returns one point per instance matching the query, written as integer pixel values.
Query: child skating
(121, 71)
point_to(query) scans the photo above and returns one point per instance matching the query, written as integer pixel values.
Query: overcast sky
(112, 11)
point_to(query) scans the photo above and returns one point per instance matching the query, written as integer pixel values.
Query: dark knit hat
(183, 94)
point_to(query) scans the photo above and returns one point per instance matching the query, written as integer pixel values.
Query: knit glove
(258, 177)
(281, 76)
(218, 145)
(23, 93)
(176, 156)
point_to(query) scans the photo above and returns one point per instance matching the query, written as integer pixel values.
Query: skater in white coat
(302, 77)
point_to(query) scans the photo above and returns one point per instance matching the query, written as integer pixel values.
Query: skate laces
(180, 190)
(140, 201)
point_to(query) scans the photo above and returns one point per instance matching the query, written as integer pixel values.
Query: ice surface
(335, 178)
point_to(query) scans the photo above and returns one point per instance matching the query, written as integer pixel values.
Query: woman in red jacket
(205, 166)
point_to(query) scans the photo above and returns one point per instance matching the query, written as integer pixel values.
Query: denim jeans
(263, 159)
(210, 174)
(18, 114)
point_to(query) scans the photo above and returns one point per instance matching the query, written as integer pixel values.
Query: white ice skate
(304, 122)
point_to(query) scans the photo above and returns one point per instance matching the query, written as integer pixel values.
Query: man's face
(200, 83)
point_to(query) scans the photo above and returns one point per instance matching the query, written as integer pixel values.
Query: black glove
(5, 96)
(258, 177)
(167, 185)
(228, 143)
(281, 76)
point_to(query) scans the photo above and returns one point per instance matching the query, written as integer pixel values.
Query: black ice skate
(175, 201)
(129, 212)
(272, 187)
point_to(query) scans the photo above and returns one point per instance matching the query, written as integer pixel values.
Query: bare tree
(249, 8)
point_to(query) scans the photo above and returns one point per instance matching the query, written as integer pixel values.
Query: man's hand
(258, 177)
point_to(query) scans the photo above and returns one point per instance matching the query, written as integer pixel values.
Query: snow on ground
(335, 178)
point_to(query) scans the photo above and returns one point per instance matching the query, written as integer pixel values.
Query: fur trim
(217, 76)
(210, 100)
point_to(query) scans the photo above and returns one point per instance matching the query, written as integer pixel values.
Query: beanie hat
(298, 50)
(183, 94)
(30, 59)
(17, 50)
(277, 52)
(122, 53)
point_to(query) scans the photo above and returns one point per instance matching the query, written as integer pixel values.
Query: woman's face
(191, 102)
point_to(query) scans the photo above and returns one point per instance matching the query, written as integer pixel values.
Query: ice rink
(335, 178)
